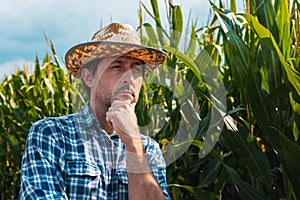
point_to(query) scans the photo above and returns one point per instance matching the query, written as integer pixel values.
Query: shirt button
(109, 165)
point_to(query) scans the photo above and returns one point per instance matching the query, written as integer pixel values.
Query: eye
(138, 69)
(116, 67)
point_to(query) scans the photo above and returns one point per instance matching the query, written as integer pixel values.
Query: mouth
(125, 93)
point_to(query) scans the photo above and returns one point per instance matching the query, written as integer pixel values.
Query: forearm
(141, 182)
(143, 186)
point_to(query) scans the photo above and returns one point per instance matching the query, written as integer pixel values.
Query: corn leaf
(245, 147)
(245, 191)
(293, 76)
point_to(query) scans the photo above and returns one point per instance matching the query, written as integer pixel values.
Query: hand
(122, 118)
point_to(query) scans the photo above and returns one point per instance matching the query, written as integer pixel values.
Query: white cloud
(65, 22)
(10, 67)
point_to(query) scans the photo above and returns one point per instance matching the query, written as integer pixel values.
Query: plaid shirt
(72, 157)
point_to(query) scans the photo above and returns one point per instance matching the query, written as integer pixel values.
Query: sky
(67, 23)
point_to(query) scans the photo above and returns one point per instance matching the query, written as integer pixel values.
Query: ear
(87, 77)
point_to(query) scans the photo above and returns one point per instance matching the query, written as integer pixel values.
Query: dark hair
(92, 66)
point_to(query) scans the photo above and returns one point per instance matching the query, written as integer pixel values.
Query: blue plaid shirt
(72, 157)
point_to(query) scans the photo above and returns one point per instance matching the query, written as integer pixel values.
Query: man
(98, 153)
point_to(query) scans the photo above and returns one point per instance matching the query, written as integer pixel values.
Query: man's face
(118, 79)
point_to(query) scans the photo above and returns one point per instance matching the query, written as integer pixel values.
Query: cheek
(138, 86)
(102, 91)
(106, 83)
(139, 83)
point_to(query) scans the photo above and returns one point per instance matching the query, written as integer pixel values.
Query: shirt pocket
(82, 177)
(82, 168)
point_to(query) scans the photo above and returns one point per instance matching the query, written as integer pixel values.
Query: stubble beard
(102, 103)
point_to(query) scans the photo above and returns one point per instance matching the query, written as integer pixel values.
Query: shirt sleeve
(42, 163)
(158, 166)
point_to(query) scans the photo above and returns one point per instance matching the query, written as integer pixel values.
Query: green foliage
(24, 99)
(255, 55)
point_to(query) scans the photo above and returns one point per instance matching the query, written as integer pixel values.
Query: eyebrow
(126, 60)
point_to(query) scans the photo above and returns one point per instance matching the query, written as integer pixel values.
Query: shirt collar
(86, 117)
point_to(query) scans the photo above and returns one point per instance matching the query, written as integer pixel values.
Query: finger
(121, 117)
(123, 97)
(124, 125)
(121, 103)
(115, 108)
(110, 119)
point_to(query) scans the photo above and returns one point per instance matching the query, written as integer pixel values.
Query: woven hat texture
(113, 40)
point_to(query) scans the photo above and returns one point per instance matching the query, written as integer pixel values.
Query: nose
(128, 76)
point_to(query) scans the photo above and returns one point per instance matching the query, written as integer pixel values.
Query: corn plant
(265, 71)
(25, 98)
(257, 55)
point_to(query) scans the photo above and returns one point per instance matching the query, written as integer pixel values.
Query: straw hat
(114, 40)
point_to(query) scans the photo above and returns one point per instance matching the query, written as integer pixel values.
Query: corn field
(253, 55)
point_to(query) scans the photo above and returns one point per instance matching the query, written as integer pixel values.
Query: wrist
(137, 163)
(135, 146)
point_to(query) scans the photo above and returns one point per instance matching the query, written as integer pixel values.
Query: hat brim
(83, 53)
